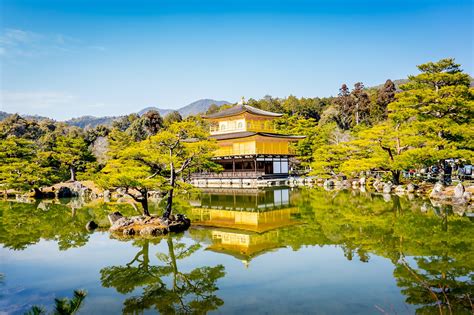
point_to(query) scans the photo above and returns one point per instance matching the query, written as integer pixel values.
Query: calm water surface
(277, 251)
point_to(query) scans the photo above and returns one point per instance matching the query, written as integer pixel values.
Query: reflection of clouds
(9, 304)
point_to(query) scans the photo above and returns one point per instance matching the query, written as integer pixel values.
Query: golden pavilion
(249, 146)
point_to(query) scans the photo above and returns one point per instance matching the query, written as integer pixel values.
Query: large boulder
(113, 217)
(107, 195)
(328, 183)
(387, 188)
(411, 188)
(378, 185)
(399, 189)
(459, 191)
(91, 225)
(437, 190)
(467, 196)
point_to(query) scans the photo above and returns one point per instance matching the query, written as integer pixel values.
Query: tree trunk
(144, 202)
(173, 261)
(169, 204)
(396, 177)
(73, 174)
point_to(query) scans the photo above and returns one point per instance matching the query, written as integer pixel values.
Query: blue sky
(69, 58)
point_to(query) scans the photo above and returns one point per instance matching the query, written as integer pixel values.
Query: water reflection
(187, 292)
(429, 246)
(244, 223)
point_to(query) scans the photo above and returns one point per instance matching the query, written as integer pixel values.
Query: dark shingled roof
(245, 134)
(238, 109)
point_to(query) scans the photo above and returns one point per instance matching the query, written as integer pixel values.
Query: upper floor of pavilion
(242, 118)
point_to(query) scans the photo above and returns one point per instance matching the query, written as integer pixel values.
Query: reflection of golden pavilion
(245, 225)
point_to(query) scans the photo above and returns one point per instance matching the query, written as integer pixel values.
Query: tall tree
(386, 95)
(20, 167)
(429, 121)
(172, 117)
(361, 104)
(159, 162)
(344, 105)
(72, 152)
(182, 146)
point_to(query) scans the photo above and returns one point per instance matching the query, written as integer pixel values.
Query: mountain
(194, 108)
(199, 106)
(4, 115)
(163, 112)
(91, 121)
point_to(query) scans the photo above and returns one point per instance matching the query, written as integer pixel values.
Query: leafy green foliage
(20, 169)
(157, 163)
(428, 121)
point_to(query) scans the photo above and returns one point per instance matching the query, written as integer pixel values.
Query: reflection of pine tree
(438, 283)
(191, 292)
(63, 306)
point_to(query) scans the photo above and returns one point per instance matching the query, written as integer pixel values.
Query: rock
(91, 225)
(387, 188)
(410, 188)
(437, 189)
(378, 185)
(467, 196)
(65, 192)
(338, 183)
(459, 210)
(128, 232)
(425, 207)
(43, 206)
(152, 231)
(459, 191)
(113, 217)
(355, 184)
(399, 189)
(328, 183)
(120, 192)
(107, 195)
(362, 181)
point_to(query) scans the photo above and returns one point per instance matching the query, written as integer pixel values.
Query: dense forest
(390, 128)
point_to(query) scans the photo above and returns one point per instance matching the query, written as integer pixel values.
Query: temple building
(250, 151)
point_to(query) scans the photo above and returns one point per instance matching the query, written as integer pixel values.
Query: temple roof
(239, 109)
(245, 134)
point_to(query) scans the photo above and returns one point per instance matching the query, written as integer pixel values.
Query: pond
(279, 251)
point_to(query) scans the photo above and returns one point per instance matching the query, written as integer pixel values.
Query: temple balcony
(258, 149)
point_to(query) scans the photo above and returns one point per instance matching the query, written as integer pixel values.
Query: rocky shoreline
(455, 195)
(147, 226)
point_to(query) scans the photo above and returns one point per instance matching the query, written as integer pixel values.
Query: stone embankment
(144, 226)
(456, 195)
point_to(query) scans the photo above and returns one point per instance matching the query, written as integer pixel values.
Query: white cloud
(34, 102)
(21, 43)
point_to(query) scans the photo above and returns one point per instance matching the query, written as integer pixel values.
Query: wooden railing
(246, 174)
